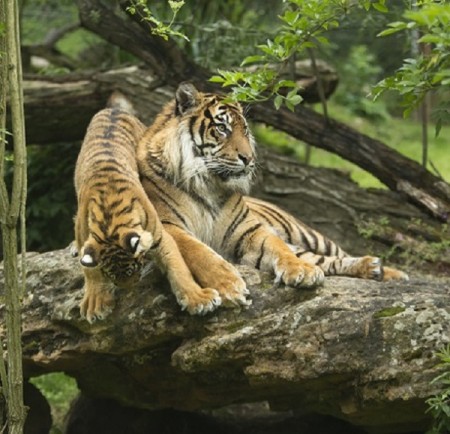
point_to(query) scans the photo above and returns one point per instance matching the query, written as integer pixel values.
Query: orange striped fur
(116, 225)
(196, 163)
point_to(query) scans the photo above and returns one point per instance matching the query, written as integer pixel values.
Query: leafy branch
(140, 8)
(303, 29)
(439, 405)
(430, 70)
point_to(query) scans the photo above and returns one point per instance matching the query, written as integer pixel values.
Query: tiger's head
(119, 257)
(215, 140)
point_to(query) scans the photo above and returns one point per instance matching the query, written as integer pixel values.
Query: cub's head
(120, 257)
(215, 139)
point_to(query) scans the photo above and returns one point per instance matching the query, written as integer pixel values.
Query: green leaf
(278, 101)
(292, 93)
(289, 105)
(285, 83)
(438, 128)
(216, 79)
(380, 7)
(296, 99)
(290, 17)
(432, 39)
(252, 59)
(366, 4)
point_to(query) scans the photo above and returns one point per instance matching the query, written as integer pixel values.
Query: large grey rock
(358, 350)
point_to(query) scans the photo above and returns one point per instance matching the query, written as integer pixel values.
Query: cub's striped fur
(196, 162)
(116, 225)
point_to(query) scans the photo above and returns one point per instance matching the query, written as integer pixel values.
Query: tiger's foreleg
(190, 296)
(209, 268)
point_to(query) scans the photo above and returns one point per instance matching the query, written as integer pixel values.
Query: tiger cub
(197, 162)
(116, 225)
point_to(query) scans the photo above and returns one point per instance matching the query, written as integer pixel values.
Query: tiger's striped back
(111, 220)
(116, 225)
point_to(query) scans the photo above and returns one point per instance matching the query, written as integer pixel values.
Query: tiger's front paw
(233, 290)
(297, 273)
(224, 277)
(96, 305)
(199, 301)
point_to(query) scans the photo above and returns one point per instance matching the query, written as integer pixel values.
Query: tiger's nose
(246, 159)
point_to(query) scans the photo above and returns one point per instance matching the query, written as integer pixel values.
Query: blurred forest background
(221, 34)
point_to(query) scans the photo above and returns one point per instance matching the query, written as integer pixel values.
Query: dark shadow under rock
(98, 416)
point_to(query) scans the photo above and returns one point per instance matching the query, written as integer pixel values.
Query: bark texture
(358, 350)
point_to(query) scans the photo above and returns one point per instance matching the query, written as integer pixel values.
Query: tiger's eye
(221, 128)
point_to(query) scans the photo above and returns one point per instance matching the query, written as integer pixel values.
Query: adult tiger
(196, 162)
(116, 225)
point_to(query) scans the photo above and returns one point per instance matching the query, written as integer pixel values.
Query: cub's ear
(89, 256)
(139, 243)
(186, 97)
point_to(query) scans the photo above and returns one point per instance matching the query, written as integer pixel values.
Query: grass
(403, 135)
(59, 390)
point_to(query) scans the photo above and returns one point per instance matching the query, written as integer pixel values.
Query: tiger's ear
(89, 256)
(139, 243)
(186, 97)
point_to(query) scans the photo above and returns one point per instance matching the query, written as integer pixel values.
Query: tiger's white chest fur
(203, 225)
(188, 171)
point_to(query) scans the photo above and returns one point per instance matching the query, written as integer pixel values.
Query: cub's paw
(394, 274)
(295, 272)
(199, 301)
(96, 306)
(225, 278)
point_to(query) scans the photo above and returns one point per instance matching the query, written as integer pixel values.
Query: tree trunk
(390, 167)
(58, 109)
(12, 211)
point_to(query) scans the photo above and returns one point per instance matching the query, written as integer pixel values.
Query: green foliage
(429, 71)
(360, 72)
(140, 8)
(304, 25)
(415, 251)
(388, 312)
(51, 196)
(223, 33)
(39, 16)
(439, 405)
(59, 390)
